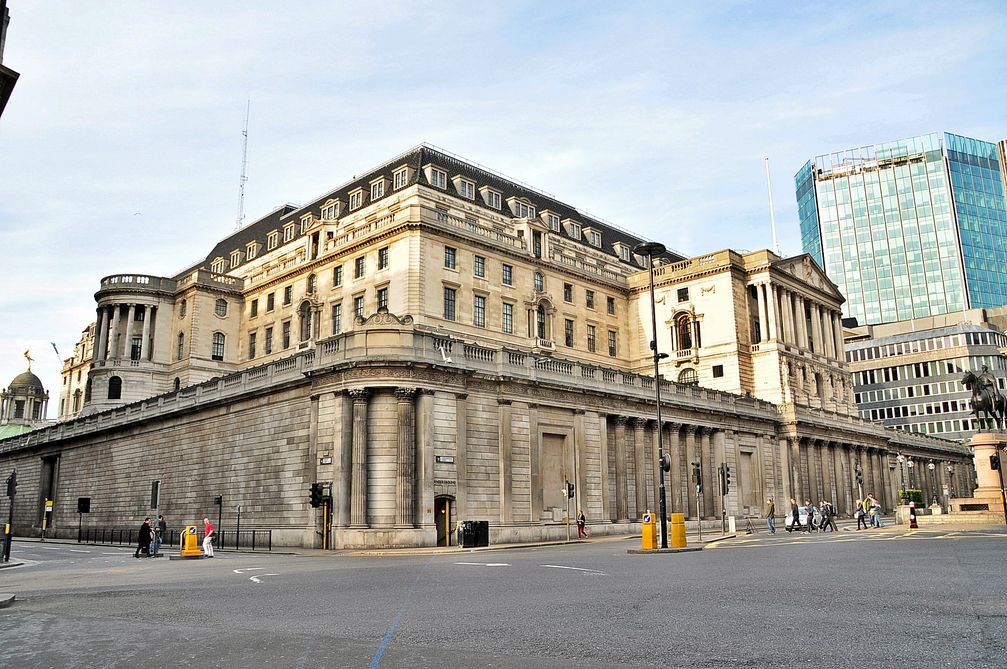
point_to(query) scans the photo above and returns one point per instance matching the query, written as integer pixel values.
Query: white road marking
(111, 553)
(485, 564)
(49, 548)
(244, 569)
(74, 550)
(581, 569)
(255, 579)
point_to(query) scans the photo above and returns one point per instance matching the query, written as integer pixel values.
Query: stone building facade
(438, 342)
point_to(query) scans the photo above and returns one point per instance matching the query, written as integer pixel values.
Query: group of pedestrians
(823, 517)
(151, 537)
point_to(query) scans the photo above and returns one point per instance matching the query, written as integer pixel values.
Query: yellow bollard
(189, 545)
(678, 531)
(649, 532)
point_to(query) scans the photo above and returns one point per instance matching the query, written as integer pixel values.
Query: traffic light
(995, 461)
(569, 490)
(727, 479)
(697, 476)
(860, 474)
(12, 484)
(316, 495)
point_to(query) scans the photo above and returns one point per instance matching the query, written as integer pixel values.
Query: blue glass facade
(888, 224)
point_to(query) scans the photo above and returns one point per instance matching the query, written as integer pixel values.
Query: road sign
(647, 518)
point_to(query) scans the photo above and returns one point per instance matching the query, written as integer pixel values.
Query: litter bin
(482, 533)
(468, 534)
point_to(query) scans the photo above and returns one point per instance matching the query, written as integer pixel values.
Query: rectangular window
(356, 199)
(718, 371)
(359, 267)
(134, 350)
(286, 335)
(288, 296)
(449, 303)
(337, 318)
(288, 232)
(251, 345)
(400, 178)
(251, 250)
(523, 210)
(610, 305)
(592, 339)
(479, 311)
(358, 306)
(268, 344)
(568, 332)
(382, 298)
(507, 275)
(270, 301)
(508, 317)
(575, 230)
(450, 257)
(330, 212)
(305, 223)
(466, 189)
(568, 292)
(683, 294)
(383, 258)
(254, 309)
(235, 258)
(438, 178)
(553, 220)
(589, 298)
(611, 343)
(494, 199)
(479, 267)
(271, 240)
(337, 276)
(377, 190)
(594, 238)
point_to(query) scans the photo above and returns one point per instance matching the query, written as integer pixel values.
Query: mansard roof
(417, 158)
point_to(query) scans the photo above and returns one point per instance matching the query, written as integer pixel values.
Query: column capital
(359, 395)
(621, 420)
(691, 429)
(405, 394)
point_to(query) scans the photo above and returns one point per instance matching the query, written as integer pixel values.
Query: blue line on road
(388, 638)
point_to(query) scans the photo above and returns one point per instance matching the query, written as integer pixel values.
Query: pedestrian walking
(770, 515)
(207, 538)
(811, 515)
(875, 511)
(828, 516)
(581, 525)
(861, 514)
(795, 516)
(160, 532)
(143, 542)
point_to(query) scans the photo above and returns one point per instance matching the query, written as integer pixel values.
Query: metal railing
(254, 540)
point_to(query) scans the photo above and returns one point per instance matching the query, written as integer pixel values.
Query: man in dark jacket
(795, 517)
(143, 545)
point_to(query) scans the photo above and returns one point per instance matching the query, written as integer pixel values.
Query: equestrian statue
(988, 405)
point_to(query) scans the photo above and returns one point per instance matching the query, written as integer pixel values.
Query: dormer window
(593, 237)
(330, 211)
(572, 229)
(356, 199)
(552, 220)
(521, 209)
(465, 187)
(400, 178)
(491, 197)
(217, 266)
(377, 189)
(437, 177)
(288, 232)
(305, 223)
(623, 251)
(251, 250)
(272, 239)
(235, 258)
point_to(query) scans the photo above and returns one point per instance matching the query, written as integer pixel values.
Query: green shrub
(913, 495)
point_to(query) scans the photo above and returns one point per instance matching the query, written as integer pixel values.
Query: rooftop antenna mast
(772, 211)
(244, 169)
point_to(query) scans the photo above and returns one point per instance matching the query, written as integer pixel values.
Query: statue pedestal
(984, 444)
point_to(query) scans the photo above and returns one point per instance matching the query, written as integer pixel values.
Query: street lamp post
(933, 491)
(902, 475)
(651, 249)
(910, 465)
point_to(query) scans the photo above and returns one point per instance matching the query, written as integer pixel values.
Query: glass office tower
(911, 228)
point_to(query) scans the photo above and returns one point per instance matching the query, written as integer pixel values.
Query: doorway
(444, 512)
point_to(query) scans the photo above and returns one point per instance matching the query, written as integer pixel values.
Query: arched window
(180, 349)
(684, 327)
(76, 400)
(87, 391)
(540, 322)
(304, 320)
(221, 307)
(114, 388)
(177, 384)
(217, 351)
(688, 376)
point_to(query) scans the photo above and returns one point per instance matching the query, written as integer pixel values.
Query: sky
(120, 148)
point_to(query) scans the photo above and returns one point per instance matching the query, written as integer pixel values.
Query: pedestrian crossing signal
(316, 495)
(995, 461)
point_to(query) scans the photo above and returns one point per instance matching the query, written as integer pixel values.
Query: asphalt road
(853, 599)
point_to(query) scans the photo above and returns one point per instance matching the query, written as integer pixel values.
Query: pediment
(806, 270)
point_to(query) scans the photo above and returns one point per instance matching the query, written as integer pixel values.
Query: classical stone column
(760, 299)
(358, 487)
(709, 472)
(461, 459)
(621, 493)
(344, 463)
(825, 457)
(841, 501)
(690, 457)
(114, 334)
(796, 478)
(126, 348)
(837, 324)
(774, 326)
(813, 478)
(673, 484)
(405, 475)
(639, 458)
(505, 460)
(101, 327)
(425, 458)
(581, 498)
(606, 497)
(718, 453)
(787, 309)
(148, 313)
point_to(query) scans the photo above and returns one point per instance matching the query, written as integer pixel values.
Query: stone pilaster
(358, 487)
(405, 475)
(505, 461)
(639, 460)
(344, 463)
(621, 492)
